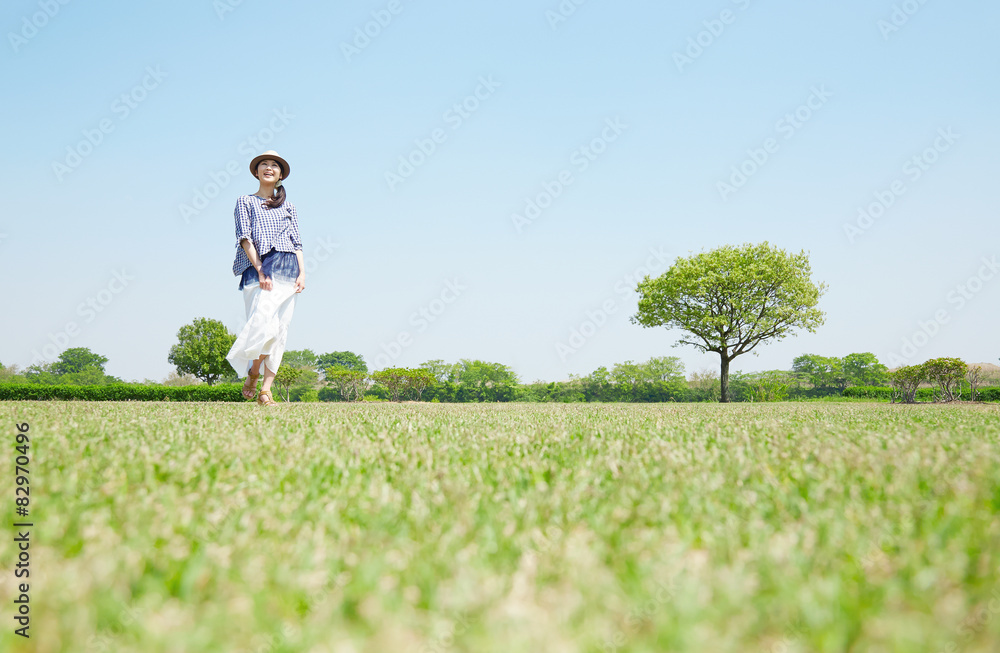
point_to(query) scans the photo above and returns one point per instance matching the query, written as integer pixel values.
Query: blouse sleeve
(243, 221)
(296, 238)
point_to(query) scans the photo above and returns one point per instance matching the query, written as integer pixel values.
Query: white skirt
(269, 312)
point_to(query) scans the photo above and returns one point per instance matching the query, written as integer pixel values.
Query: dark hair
(277, 199)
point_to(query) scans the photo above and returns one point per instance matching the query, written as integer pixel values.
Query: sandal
(253, 390)
(268, 401)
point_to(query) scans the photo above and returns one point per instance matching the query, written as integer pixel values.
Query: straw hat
(270, 154)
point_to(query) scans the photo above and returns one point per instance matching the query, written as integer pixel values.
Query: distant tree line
(343, 376)
(947, 376)
(76, 366)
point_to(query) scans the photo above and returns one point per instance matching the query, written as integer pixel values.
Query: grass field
(546, 528)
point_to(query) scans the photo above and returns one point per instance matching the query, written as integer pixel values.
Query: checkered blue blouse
(267, 229)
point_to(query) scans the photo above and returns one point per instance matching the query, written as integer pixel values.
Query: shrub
(869, 392)
(403, 382)
(120, 392)
(987, 394)
(767, 386)
(349, 384)
(881, 393)
(904, 383)
(948, 374)
(305, 394)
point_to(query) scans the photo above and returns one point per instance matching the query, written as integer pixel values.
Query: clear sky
(482, 179)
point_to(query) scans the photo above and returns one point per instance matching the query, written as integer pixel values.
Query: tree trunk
(724, 380)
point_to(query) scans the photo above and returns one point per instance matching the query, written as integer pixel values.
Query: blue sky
(866, 133)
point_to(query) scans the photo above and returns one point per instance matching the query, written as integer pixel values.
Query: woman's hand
(300, 283)
(265, 281)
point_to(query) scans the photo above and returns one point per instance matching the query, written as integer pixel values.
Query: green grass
(509, 527)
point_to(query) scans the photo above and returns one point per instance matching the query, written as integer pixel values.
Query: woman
(269, 263)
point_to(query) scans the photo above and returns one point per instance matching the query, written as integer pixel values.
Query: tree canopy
(398, 380)
(287, 376)
(351, 384)
(732, 299)
(346, 359)
(440, 370)
(78, 359)
(201, 350)
(865, 369)
(482, 374)
(304, 359)
(75, 366)
(835, 373)
(820, 371)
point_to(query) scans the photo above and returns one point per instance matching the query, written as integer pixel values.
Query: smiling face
(269, 171)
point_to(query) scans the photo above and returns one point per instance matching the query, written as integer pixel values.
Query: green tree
(601, 376)
(301, 358)
(440, 370)
(201, 350)
(905, 381)
(88, 376)
(820, 371)
(732, 299)
(41, 374)
(598, 385)
(308, 380)
(484, 381)
(418, 381)
(393, 379)
(948, 374)
(75, 366)
(307, 383)
(78, 359)
(350, 383)
(864, 369)
(346, 359)
(627, 374)
(9, 374)
(704, 385)
(626, 377)
(483, 374)
(662, 368)
(402, 380)
(771, 385)
(287, 376)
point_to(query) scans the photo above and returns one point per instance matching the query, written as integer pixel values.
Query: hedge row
(121, 392)
(991, 393)
(441, 392)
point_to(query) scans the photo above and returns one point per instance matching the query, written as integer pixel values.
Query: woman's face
(268, 170)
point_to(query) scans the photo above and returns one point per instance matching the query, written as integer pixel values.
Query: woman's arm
(300, 281)
(244, 234)
(248, 247)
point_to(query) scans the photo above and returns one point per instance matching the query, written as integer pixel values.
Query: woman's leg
(250, 385)
(268, 374)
